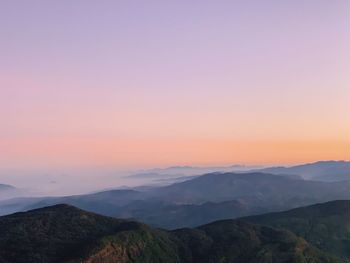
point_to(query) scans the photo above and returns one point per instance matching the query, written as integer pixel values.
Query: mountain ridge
(200, 200)
(321, 170)
(63, 233)
(325, 225)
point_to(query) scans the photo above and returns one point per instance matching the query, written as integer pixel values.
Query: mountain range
(200, 200)
(278, 214)
(326, 225)
(328, 171)
(63, 233)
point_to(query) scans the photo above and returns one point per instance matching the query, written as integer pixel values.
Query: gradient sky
(154, 83)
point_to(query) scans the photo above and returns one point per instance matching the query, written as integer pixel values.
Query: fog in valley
(81, 181)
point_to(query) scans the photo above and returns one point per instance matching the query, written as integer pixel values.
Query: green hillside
(326, 225)
(64, 233)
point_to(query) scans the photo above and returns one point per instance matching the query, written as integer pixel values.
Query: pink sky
(155, 83)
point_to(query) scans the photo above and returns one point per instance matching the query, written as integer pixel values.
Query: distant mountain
(199, 201)
(63, 233)
(328, 171)
(106, 202)
(196, 170)
(180, 173)
(12, 205)
(326, 225)
(222, 196)
(9, 191)
(176, 216)
(268, 188)
(6, 187)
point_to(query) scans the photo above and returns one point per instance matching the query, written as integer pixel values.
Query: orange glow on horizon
(75, 152)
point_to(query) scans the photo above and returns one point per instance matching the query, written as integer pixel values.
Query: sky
(140, 84)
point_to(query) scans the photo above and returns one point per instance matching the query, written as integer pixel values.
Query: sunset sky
(137, 84)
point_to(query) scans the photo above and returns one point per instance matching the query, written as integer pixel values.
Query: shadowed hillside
(327, 225)
(63, 233)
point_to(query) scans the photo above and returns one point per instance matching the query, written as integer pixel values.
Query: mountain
(6, 187)
(223, 196)
(266, 189)
(328, 171)
(326, 225)
(9, 191)
(106, 202)
(166, 176)
(201, 200)
(13, 205)
(239, 242)
(64, 233)
(190, 170)
(176, 216)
